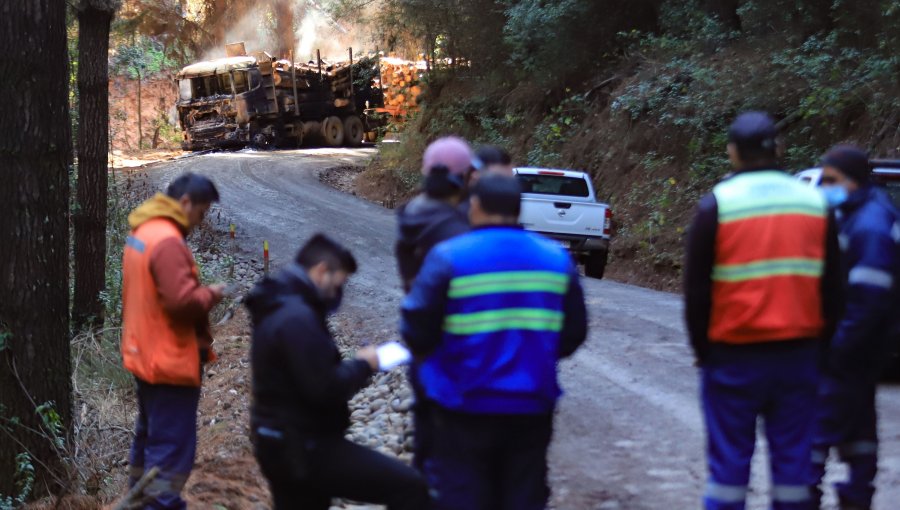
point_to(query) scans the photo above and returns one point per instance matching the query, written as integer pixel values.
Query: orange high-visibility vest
(769, 259)
(155, 348)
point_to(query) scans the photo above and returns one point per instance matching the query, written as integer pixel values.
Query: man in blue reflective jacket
(869, 227)
(489, 316)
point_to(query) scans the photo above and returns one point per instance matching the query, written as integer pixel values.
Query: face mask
(835, 195)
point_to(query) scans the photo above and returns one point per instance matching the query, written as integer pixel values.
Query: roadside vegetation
(640, 95)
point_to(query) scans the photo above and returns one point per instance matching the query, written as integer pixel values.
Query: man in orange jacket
(166, 336)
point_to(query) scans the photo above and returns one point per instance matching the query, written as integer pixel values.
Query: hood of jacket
(423, 216)
(270, 294)
(159, 206)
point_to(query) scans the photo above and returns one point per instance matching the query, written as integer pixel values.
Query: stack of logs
(401, 84)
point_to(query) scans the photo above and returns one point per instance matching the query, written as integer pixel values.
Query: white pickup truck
(561, 204)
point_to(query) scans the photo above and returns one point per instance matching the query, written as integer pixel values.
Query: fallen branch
(131, 499)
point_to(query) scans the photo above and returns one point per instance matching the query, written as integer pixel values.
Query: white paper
(392, 355)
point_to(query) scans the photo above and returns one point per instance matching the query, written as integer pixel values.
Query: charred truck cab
(256, 100)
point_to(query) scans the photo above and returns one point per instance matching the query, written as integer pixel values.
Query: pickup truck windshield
(554, 185)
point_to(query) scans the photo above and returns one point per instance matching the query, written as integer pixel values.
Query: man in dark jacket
(869, 234)
(489, 316)
(301, 387)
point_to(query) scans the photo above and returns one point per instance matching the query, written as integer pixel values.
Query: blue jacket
(869, 227)
(489, 315)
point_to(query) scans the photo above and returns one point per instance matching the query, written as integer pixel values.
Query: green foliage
(53, 425)
(24, 477)
(5, 337)
(555, 130)
(143, 57)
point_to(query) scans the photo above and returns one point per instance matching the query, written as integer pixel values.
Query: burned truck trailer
(257, 100)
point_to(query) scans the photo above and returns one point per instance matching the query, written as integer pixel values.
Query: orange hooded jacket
(164, 307)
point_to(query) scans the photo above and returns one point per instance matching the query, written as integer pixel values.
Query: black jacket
(423, 223)
(300, 382)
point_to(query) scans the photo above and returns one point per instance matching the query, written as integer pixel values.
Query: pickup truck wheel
(353, 131)
(595, 264)
(333, 131)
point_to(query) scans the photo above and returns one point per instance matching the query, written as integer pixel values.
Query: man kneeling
(301, 387)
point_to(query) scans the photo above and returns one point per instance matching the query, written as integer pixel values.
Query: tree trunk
(93, 138)
(140, 111)
(284, 27)
(35, 146)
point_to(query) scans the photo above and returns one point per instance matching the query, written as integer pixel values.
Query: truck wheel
(353, 131)
(595, 265)
(333, 131)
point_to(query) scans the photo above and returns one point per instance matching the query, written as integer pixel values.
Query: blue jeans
(165, 436)
(739, 385)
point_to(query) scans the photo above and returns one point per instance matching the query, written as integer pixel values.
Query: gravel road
(629, 433)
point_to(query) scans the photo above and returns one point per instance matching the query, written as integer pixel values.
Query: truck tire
(333, 131)
(353, 131)
(595, 264)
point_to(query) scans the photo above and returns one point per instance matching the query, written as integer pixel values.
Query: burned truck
(257, 100)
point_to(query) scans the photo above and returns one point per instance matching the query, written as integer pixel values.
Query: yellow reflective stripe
(766, 193)
(508, 281)
(767, 269)
(533, 319)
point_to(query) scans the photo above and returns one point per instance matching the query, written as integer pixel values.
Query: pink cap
(450, 151)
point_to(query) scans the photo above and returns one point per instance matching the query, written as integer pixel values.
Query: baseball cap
(850, 160)
(450, 152)
(753, 132)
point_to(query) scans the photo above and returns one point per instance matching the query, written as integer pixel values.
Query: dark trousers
(306, 474)
(847, 420)
(490, 462)
(423, 423)
(165, 436)
(778, 385)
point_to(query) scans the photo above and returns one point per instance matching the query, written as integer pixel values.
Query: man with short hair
(489, 316)
(301, 387)
(861, 346)
(761, 293)
(166, 336)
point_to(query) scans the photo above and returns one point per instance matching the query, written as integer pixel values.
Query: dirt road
(629, 433)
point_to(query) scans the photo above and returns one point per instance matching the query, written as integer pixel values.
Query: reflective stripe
(267, 432)
(871, 276)
(858, 449)
(726, 493)
(534, 319)
(135, 243)
(844, 241)
(819, 457)
(774, 208)
(791, 493)
(766, 193)
(768, 268)
(508, 281)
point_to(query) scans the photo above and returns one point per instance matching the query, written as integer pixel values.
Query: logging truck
(260, 101)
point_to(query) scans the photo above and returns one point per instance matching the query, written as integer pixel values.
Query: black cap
(499, 194)
(753, 133)
(850, 160)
